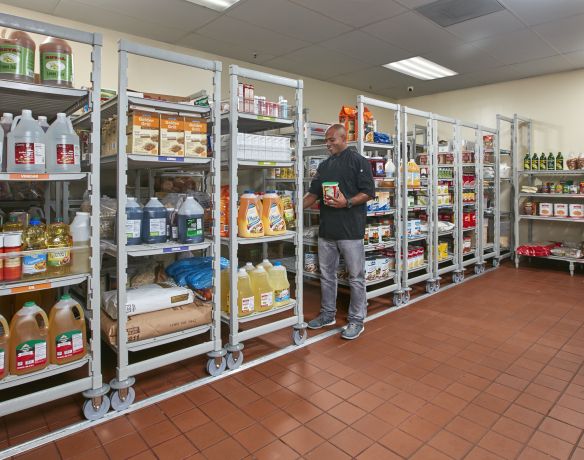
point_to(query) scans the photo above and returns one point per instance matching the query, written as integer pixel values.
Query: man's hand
(340, 202)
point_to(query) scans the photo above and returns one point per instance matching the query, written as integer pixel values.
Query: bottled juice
(263, 291)
(273, 214)
(67, 331)
(249, 222)
(245, 295)
(413, 174)
(59, 244)
(29, 330)
(266, 264)
(225, 290)
(34, 238)
(224, 211)
(280, 284)
(13, 225)
(4, 345)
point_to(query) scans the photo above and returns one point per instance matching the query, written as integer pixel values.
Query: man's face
(335, 141)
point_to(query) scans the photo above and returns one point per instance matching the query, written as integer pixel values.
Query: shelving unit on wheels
(241, 119)
(489, 197)
(446, 188)
(123, 163)
(504, 152)
(417, 203)
(48, 100)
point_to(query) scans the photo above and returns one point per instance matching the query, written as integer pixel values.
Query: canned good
(310, 262)
(330, 190)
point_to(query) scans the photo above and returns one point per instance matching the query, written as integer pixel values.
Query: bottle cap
(66, 297)
(277, 264)
(59, 220)
(35, 222)
(30, 303)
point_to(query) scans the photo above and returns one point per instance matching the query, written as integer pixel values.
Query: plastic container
(280, 284)
(389, 169)
(249, 267)
(13, 224)
(245, 294)
(56, 62)
(59, 244)
(413, 174)
(17, 57)
(13, 264)
(34, 238)
(266, 264)
(134, 221)
(262, 289)
(80, 235)
(273, 214)
(63, 154)
(43, 123)
(154, 222)
(4, 346)
(26, 145)
(190, 222)
(249, 222)
(67, 331)
(29, 330)
(283, 107)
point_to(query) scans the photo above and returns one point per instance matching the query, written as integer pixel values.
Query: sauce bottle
(17, 57)
(56, 62)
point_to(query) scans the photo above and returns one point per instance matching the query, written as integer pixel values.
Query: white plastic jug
(80, 234)
(26, 145)
(190, 221)
(43, 123)
(63, 154)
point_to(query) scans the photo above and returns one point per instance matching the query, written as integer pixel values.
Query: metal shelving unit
(237, 121)
(489, 197)
(123, 393)
(505, 188)
(48, 101)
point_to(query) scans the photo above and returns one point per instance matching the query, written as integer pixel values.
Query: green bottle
(526, 162)
(559, 162)
(534, 162)
(542, 162)
(551, 162)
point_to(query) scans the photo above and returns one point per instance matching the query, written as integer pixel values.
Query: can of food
(370, 268)
(310, 262)
(330, 190)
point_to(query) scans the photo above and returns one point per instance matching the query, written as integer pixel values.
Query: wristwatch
(350, 203)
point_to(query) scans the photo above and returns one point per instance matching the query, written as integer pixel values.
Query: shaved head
(339, 129)
(336, 138)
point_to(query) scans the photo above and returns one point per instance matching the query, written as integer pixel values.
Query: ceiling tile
(489, 76)
(576, 58)
(543, 66)
(565, 34)
(170, 13)
(291, 19)
(537, 11)
(81, 12)
(315, 61)
(232, 50)
(366, 47)
(486, 26)
(411, 4)
(356, 13)
(414, 33)
(262, 41)
(373, 79)
(464, 58)
(43, 6)
(515, 47)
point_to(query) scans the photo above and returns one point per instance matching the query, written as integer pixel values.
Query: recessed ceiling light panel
(217, 5)
(420, 68)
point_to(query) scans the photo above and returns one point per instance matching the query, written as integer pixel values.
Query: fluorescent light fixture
(421, 68)
(217, 5)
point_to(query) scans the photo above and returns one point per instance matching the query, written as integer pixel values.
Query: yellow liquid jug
(280, 284)
(67, 331)
(263, 292)
(273, 214)
(29, 330)
(249, 221)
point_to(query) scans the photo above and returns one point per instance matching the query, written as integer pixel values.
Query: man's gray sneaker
(352, 331)
(320, 321)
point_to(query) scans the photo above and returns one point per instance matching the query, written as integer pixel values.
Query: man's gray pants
(353, 252)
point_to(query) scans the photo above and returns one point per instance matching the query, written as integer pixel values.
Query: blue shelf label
(175, 249)
(172, 159)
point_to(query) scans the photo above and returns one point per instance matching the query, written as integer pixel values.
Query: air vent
(448, 12)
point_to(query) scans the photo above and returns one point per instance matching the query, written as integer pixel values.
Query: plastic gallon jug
(245, 294)
(80, 234)
(43, 123)
(134, 218)
(26, 145)
(273, 214)
(67, 331)
(266, 264)
(17, 57)
(4, 347)
(63, 154)
(249, 267)
(29, 330)
(263, 292)
(34, 238)
(59, 244)
(413, 174)
(56, 62)
(154, 222)
(389, 168)
(249, 222)
(190, 221)
(6, 124)
(280, 284)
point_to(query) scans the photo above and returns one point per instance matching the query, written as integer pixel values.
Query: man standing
(342, 227)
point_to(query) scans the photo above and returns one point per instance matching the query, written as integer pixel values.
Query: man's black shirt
(353, 173)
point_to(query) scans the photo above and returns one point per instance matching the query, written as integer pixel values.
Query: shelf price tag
(263, 117)
(28, 176)
(32, 287)
(172, 159)
(175, 249)
(267, 163)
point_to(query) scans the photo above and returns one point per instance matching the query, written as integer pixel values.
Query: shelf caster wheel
(458, 277)
(123, 398)
(430, 287)
(436, 286)
(398, 300)
(405, 297)
(214, 369)
(479, 269)
(234, 360)
(96, 408)
(496, 263)
(299, 336)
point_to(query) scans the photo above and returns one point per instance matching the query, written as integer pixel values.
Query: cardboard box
(195, 137)
(560, 210)
(172, 135)
(143, 133)
(546, 209)
(577, 210)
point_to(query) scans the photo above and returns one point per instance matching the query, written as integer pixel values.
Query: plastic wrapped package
(107, 218)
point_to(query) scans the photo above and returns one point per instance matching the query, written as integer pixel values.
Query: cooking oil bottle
(245, 295)
(59, 244)
(29, 330)
(67, 331)
(34, 238)
(280, 284)
(262, 289)
(13, 225)
(4, 345)
(266, 264)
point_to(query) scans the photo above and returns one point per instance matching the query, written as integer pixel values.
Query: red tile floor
(490, 369)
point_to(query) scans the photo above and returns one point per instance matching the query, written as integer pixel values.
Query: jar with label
(12, 263)
(56, 62)
(17, 57)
